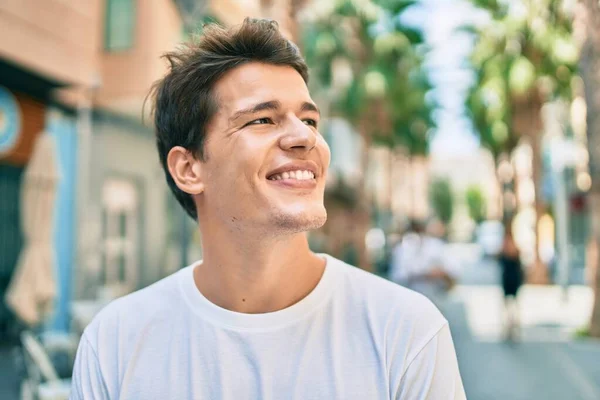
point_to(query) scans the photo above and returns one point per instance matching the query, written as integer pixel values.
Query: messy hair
(183, 100)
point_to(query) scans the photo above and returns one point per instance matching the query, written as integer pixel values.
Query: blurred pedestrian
(261, 316)
(512, 279)
(419, 262)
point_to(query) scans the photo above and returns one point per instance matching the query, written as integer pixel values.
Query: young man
(261, 316)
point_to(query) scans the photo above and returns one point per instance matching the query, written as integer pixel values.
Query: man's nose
(298, 135)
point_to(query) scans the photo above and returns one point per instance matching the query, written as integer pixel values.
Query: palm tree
(525, 57)
(382, 94)
(476, 203)
(486, 105)
(590, 72)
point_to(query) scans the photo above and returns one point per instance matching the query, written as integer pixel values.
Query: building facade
(80, 72)
(45, 47)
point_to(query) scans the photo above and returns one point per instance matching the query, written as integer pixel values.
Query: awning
(33, 287)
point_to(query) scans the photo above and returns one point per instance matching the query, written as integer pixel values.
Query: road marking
(577, 375)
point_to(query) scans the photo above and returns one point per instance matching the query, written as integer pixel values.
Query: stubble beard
(285, 223)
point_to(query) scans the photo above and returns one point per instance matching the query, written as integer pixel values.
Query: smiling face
(266, 162)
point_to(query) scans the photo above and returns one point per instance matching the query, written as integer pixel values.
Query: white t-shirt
(417, 255)
(355, 336)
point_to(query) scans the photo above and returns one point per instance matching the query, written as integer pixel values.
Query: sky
(448, 70)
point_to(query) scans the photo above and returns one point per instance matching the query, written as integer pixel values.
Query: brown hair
(183, 101)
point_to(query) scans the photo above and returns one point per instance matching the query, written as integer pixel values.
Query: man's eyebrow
(267, 105)
(306, 106)
(271, 105)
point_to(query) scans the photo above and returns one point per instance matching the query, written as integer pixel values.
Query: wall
(55, 38)
(125, 151)
(128, 75)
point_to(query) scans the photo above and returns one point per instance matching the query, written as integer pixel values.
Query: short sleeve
(87, 381)
(433, 374)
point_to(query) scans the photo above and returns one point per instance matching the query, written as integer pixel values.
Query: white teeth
(298, 175)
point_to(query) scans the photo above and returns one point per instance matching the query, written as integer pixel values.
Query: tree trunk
(595, 275)
(590, 72)
(363, 210)
(539, 273)
(527, 122)
(414, 193)
(390, 189)
(506, 212)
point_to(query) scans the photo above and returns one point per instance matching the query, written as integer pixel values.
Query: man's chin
(300, 222)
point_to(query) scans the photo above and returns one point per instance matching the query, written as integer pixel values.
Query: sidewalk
(545, 364)
(9, 377)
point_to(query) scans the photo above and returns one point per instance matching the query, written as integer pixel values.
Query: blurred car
(489, 236)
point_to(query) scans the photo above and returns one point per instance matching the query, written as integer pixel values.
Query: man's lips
(294, 183)
(299, 170)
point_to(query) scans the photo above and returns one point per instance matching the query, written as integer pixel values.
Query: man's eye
(310, 122)
(260, 121)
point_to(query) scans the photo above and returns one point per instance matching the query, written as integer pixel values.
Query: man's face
(266, 162)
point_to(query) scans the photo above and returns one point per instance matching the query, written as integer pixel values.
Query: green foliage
(384, 92)
(526, 50)
(442, 201)
(396, 6)
(582, 332)
(476, 203)
(195, 26)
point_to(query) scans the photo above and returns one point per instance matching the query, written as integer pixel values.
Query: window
(119, 25)
(120, 233)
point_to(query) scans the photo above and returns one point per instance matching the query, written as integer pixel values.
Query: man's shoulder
(153, 302)
(385, 301)
(386, 297)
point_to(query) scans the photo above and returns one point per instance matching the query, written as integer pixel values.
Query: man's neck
(257, 275)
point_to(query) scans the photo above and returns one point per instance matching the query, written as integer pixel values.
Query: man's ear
(186, 170)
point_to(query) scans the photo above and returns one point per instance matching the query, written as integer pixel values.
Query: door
(120, 233)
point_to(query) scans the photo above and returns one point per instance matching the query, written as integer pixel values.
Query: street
(546, 363)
